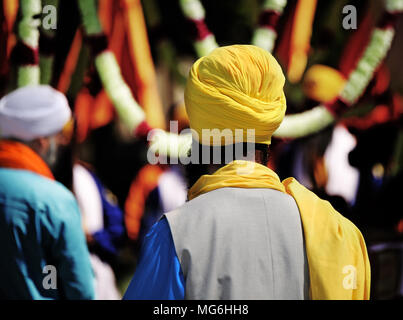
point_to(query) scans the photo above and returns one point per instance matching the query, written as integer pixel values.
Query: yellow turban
(323, 83)
(236, 87)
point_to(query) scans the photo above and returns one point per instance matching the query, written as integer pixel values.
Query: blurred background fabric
(355, 164)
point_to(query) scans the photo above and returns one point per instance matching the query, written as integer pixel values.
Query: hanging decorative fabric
(26, 51)
(94, 109)
(381, 114)
(144, 71)
(126, 44)
(71, 63)
(356, 44)
(106, 15)
(300, 39)
(265, 35)
(91, 112)
(47, 47)
(112, 20)
(306, 123)
(82, 114)
(128, 110)
(10, 11)
(203, 40)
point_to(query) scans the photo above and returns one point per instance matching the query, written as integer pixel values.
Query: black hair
(220, 156)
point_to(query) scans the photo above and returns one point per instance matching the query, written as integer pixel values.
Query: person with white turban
(43, 250)
(244, 234)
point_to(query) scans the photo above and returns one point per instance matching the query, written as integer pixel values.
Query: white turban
(33, 112)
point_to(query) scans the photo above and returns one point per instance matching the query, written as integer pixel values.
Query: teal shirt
(40, 225)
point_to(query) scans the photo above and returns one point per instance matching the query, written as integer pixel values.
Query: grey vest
(240, 244)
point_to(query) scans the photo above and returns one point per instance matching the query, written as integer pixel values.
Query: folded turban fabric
(235, 87)
(322, 83)
(33, 112)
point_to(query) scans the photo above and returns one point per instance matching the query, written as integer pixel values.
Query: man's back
(40, 225)
(236, 243)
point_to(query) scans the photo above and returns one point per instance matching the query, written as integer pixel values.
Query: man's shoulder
(34, 189)
(229, 197)
(230, 206)
(196, 205)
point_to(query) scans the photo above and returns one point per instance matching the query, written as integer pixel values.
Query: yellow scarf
(338, 262)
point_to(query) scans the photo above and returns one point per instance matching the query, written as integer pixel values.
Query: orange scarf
(16, 155)
(337, 256)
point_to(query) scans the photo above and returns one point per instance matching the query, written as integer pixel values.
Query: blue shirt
(40, 225)
(111, 236)
(158, 274)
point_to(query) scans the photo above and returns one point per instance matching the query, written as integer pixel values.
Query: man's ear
(41, 145)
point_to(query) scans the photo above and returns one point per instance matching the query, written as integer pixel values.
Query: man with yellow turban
(244, 234)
